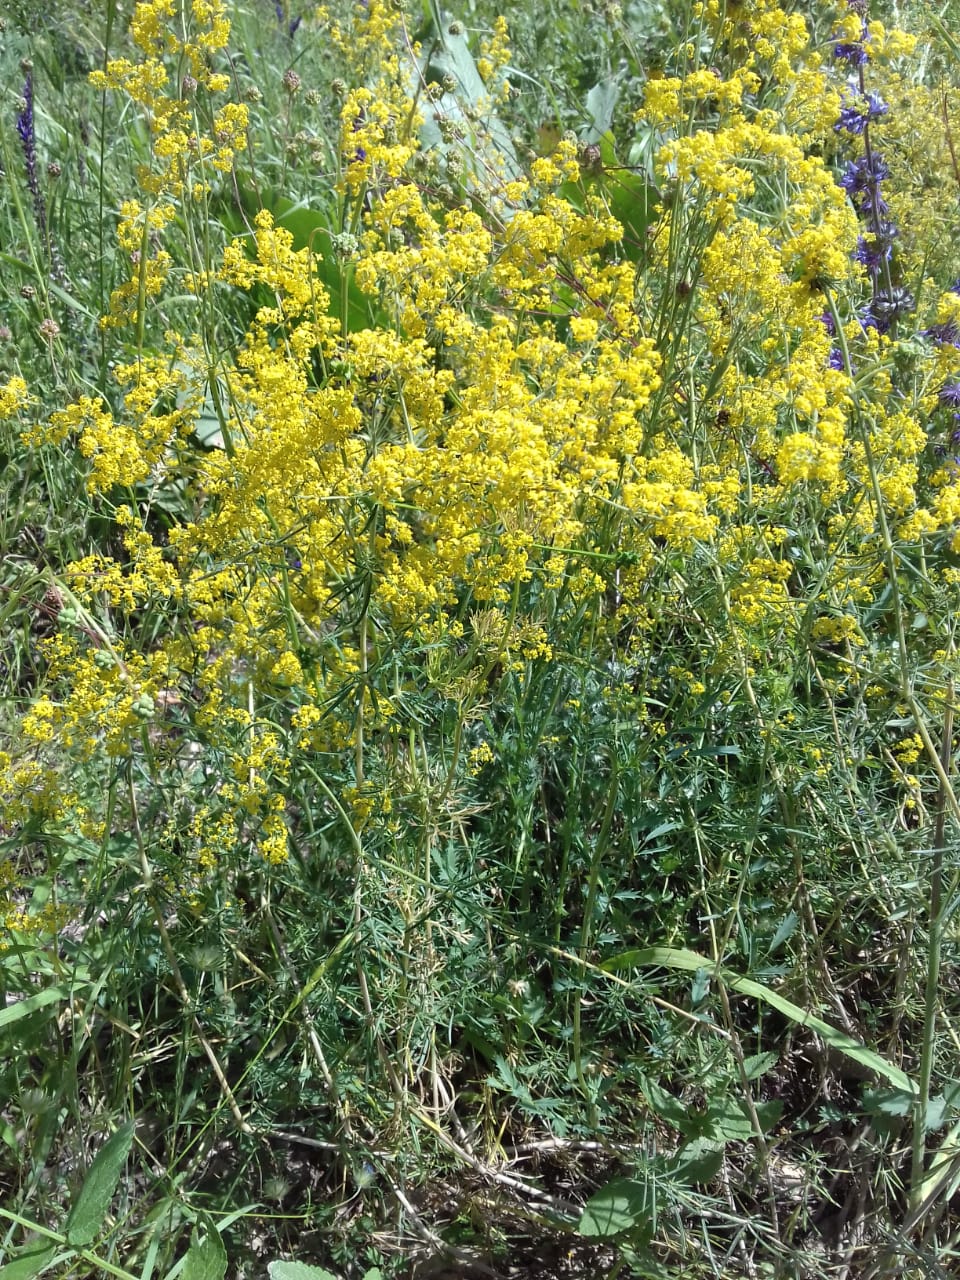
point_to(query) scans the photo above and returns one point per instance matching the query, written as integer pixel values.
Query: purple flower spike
(853, 54)
(852, 119)
(28, 141)
(950, 395)
(858, 113)
(885, 308)
(292, 25)
(872, 251)
(863, 174)
(873, 205)
(948, 335)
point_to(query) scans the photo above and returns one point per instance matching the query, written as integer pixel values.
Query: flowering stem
(101, 197)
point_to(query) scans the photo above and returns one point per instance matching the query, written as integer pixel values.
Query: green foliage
(297, 1271)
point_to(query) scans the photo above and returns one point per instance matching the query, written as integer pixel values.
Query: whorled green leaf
(93, 1201)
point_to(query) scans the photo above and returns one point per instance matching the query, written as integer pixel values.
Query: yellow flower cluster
(527, 404)
(14, 397)
(182, 157)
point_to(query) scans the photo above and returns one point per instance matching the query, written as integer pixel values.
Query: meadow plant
(497, 719)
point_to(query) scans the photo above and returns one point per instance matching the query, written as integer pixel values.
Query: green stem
(931, 998)
(586, 931)
(100, 1264)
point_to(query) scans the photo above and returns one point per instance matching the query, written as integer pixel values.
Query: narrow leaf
(21, 1008)
(28, 1265)
(691, 961)
(785, 929)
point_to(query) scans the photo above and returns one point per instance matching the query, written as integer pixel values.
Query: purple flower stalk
(863, 174)
(292, 25)
(28, 141)
(852, 52)
(885, 308)
(948, 335)
(874, 250)
(857, 114)
(862, 179)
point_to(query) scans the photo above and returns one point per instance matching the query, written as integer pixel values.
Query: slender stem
(931, 999)
(55, 1237)
(586, 931)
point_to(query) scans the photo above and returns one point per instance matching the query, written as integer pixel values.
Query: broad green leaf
(700, 987)
(29, 1264)
(206, 1259)
(768, 1113)
(895, 1103)
(943, 1105)
(455, 59)
(943, 1175)
(759, 1064)
(309, 230)
(671, 1109)
(633, 202)
(727, 1121)
(601, 103)
(487, 147)
(785, 929)
(691, 961)
(298, 1271)
(93, 1201)
(615, 1208)
(8, 1136)
(699, 1161)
